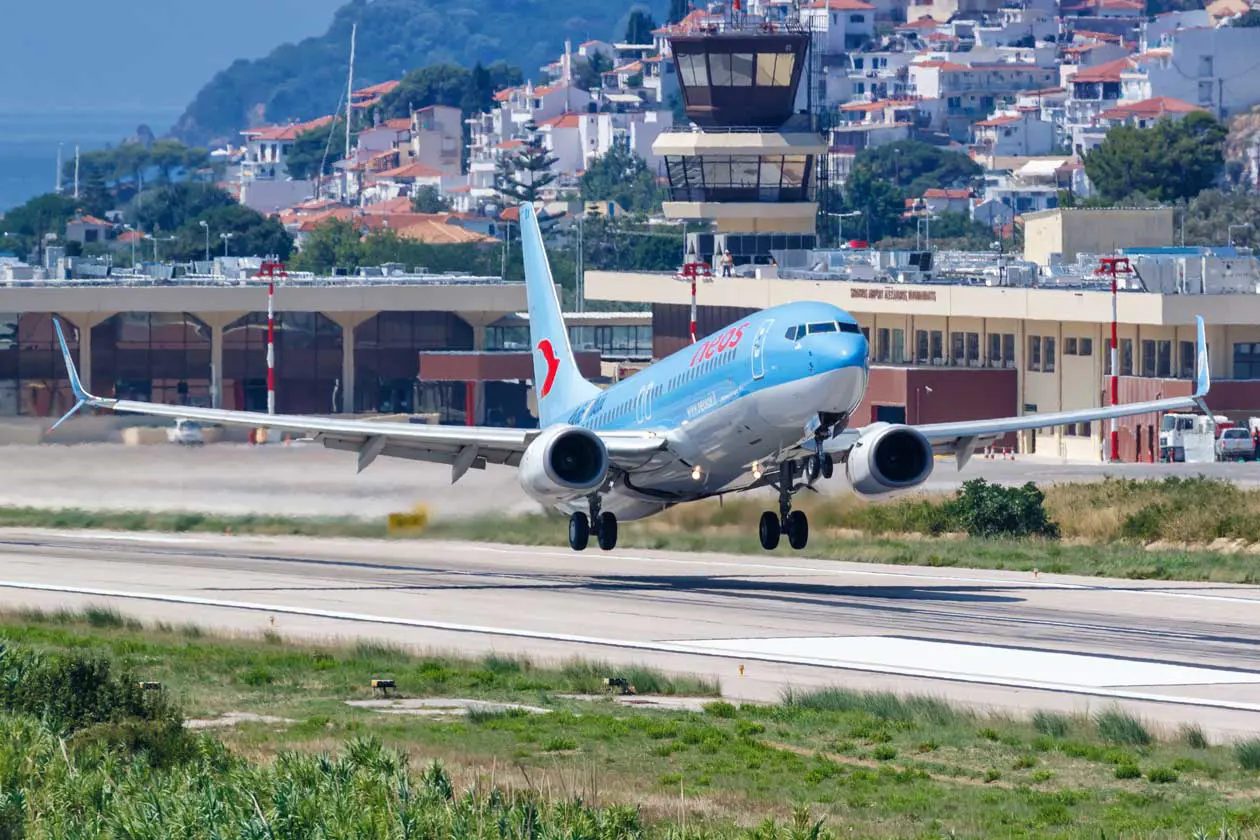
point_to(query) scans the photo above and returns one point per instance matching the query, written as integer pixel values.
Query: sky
(138, 55)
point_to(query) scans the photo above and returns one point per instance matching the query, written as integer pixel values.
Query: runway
(1172, 652)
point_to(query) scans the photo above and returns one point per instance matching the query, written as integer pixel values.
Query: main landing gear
(605, 528)
(793, 523)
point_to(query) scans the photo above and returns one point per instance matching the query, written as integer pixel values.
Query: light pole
(840, 217)
(1231, 231)
(206, 227)
(131, 229)
(226, 237)
(156, 240)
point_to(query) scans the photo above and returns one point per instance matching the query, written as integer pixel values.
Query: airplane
(766, 402)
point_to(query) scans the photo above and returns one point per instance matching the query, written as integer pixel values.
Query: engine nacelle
(563, 463)
(888, 459)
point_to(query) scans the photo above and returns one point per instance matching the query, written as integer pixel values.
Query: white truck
(1189, 437)
(1235, 445)
(186, 433)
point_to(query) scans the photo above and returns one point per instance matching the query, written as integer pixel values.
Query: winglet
(81, 395)
(1203, 375)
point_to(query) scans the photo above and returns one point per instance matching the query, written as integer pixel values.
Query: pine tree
(678, 9)
(523, 175)
(639, 28)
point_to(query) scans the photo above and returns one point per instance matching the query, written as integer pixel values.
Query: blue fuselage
(733, 400)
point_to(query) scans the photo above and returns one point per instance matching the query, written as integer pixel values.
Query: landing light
(695, 472)
(756, 471)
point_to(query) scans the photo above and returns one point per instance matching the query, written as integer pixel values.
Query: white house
(437, 138)
(1019, 134)
(267, 149)
(844, 25)
(1214, 68)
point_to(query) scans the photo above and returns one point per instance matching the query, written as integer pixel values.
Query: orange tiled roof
(993, 122)
(280, 133)
(1107, 72)
(410, 172)
(1159, 106)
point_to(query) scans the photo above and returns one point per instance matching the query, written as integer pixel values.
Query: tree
(334, 244)
(523, 174)
(1208, 216)
(27, 225)
(879, 201)
(171, 207)
(915, 167)
(1168, 161)
(429, 199)
(94, 195)
(639, 27)
(254, 235)
(314, 151)
(590, 73)
(449, 84)
(678, 9)
(622, 176)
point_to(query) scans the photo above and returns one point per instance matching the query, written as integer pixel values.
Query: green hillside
(305, 80)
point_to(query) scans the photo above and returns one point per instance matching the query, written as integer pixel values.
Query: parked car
(1235, 445)
(186, 433)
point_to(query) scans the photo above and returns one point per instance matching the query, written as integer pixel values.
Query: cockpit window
(849, 328)
(790, 335)
(824, 327)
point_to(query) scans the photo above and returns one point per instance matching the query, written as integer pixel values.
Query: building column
(216, 365)
(84, 322)
(478, 387)
(218, 323)
(348, 321)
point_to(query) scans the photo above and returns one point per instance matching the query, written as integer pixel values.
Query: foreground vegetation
(86, 752)
(1171, 529)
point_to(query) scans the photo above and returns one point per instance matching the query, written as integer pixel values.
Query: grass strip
(817, 764)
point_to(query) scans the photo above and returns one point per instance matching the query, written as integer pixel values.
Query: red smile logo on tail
(553, 365)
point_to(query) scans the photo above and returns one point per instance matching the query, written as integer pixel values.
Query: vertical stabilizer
(558, 386)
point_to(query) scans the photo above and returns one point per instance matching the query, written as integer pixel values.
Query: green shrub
(1121, 728)
(1049, 723)
(1248, 754)
(720, 709)
(991, 510)
(162, 743)
(1192, 736)
(73, 691)
(1163, 775)
(884, 752)
(1128, 771)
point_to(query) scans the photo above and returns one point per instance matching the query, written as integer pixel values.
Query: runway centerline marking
(675, 647)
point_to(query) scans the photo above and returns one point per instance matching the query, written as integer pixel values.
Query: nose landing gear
(604, 526)
(793, 523)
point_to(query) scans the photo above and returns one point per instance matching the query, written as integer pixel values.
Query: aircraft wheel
(813, 469)
(769, 531)
(579, 531)
(607, 533)
(797, 529)
(828, 466)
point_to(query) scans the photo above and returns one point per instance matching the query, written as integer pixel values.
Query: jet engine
(563, 463)
(889, 458)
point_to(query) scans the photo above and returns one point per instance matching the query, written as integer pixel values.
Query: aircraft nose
(845, 350)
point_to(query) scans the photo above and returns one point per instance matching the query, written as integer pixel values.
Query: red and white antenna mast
(271, 270)
(1112, 267)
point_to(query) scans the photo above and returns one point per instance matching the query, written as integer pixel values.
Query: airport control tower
(748, 164)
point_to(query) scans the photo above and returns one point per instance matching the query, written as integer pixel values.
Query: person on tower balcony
(728, 263)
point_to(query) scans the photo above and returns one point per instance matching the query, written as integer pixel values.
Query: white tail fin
(558, 385)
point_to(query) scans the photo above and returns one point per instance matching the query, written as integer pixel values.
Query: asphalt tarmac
(1171, 652)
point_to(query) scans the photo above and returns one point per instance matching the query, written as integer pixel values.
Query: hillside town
(1025, 90)
(993, 190)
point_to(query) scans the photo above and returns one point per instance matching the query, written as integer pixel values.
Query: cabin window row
(801, 330)
(765, 69)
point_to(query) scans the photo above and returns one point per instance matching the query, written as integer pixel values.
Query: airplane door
(645, 404)
(758, 350)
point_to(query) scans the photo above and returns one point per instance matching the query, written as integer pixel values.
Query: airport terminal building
(447, 347)
(955, 349)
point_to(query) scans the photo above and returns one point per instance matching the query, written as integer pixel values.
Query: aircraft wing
(463, 447)
(964, 437)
